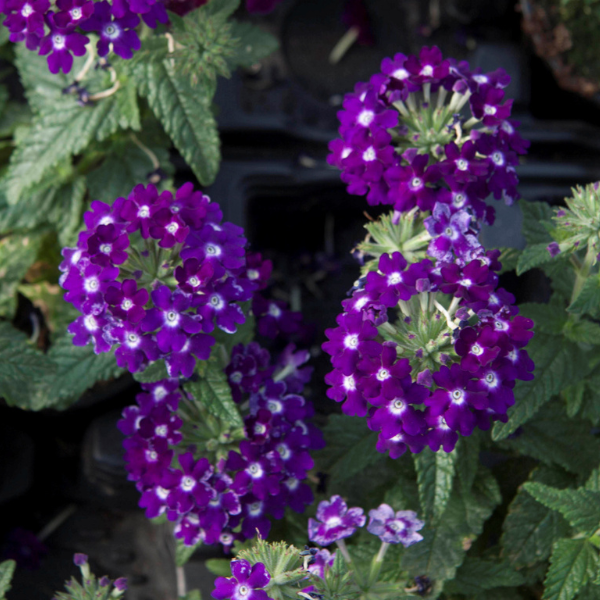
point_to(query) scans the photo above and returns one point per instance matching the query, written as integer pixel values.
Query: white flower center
(172, 317)
(126, 304)
(476, 349)
(255, 509)
(143, 212)
(500, 325)
(59, 41)
(106, 248)
(90, 323)
(466, 283)
(284, 451)
(236, 377)
(159, 393)
(274, 310)
(194, 281)
(383, 374)
(416, 183)
(462, 164)
(292, 483)
(111, 31)
(133, 339)
(255, 471)
(458, 396)
(212, 250)
(162, 493)
(346, 153)
(260, 428)
(275, 406)
(92, 284)
(217, 302)
(253, 274)
(394, 278)
(427, 71)
(498, 158)
(333, 522)
(400, 74)
(459, 199)
(75, 13)
(188, 483)
(26, 10)
(397, 526)
(490, 379)
(349, 383)
(161, 431)
(243, 590)
(489, 110)
(365, 118)
(369, 154)
(172, 228)
(351, 341)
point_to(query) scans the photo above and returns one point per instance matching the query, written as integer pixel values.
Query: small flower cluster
(247, 582)
(153, 274)
(232, 498)
(403, 145)
(439, 370)
(335, 521)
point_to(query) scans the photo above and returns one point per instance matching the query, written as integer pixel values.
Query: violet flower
(395, 527)
(246, 582)
(335, 521)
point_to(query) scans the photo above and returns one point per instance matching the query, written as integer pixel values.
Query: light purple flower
(335, 521)
(395, 528)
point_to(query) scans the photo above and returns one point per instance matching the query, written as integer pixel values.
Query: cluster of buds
(91, 587)
(255, 473)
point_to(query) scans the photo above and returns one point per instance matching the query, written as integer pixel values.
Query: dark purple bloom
(273, 317)
(335, 521)
(60, 44)
(477, 347)
(246, 584)
(485, 105)
(80, 559)
(451, 233)
(461, 165)
(120, 584)
(429, 67)
(193, 275)
(344, 388)
(192, 487)
(553, 249)
(119, 32)
(25, 18)
(128, 302)
(395, 527)
(73, 12)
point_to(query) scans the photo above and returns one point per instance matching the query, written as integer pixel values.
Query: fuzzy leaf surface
(435, 476)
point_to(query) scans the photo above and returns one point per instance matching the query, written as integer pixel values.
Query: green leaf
(593, 481)
(253, 45)
(533, 256)
(444, 544)
(7, 569)
(556, 440)
(477, 575)
(219, 566)
(213, 391)
(221, 9)
(183, 553)
(192, 595)
(186, 116)
(530, 529)
(581, 507)
(537, 222)
(572, 564)
(17, 254)
(548, 318)
(350, 448)
(557, 364)
(509, 258)
(435, 475)
(22, 368)
(155, 371)
(573, 396)
(77, 368)
(467, 463)
(582, 330)
(124, 112)
(588, 299)
(124, 166)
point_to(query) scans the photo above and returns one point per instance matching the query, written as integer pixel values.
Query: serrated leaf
(533, 256)
(124, 166)
(444, 545)
(593, 481)
(124, 112)
(547, 318)
(219, 566)
(588, 299)
(183, 553)
(435, 475)
(22, 368)
(555, 440)
(17, 254)
(213, 392)
(155, 371)
(573, 396)
(557, 364)
(582, 331)
(253, 45)
(537, 221)
(581, 507)
(221, 9)
(467, 463)
(530, 528)
(185, 114)
(572, 564)
(7, 570)
(77, 368)
(477, 575)
(350, 448)
(509, 258)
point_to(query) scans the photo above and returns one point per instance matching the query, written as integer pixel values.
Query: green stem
(376, 564)
(357, 574)
(583, 272)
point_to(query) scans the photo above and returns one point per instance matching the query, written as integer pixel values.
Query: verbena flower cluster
(335, 521)
(402, 144)
(246, 582)
(436, 372)
(57, 29)
(446, 360)
(153, 275)
(232, 498)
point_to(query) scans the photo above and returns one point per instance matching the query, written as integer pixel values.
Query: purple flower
(246, 584)
(461, 164)
(128, 301)
(191, 489)
(485, 105)
(73, 12)
(335, 521)
(429, 67)
(451, 233)
(80, 559)
(119, 32)
(477, 347)
(273, 317)
(25, 19)
(553, 249)
(120, 584)
(107, 246)
(60, 44)
(395, 528)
